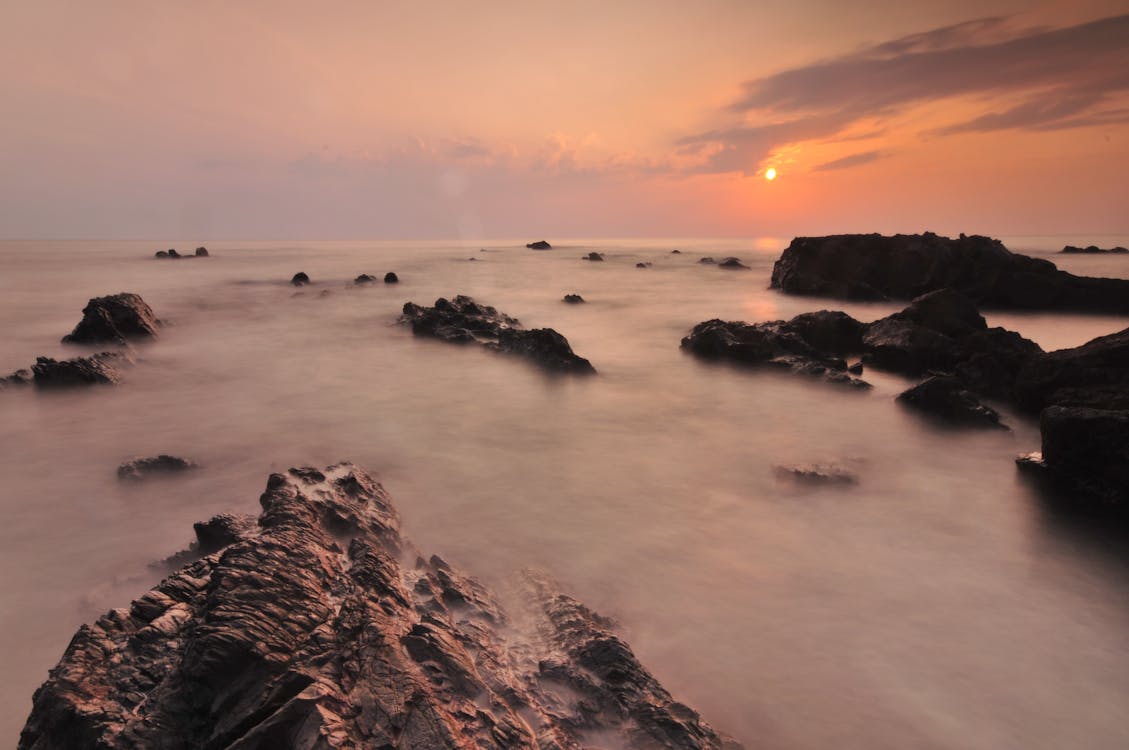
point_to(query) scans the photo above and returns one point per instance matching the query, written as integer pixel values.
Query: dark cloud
(1068, 77)
(853, 160)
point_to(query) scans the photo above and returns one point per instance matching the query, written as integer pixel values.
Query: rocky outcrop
(462, 320)
(300, 278)
(874, 267)
(1094, 250)
(815, 475)
(314, 629)
(573, 299)
(391, 278)
(539, 245)
(1095, 374)
(149, 466)
(946, 400)
(1085, 454)
(593, 256)
(114, 319)
(102, 368)
(733, 264)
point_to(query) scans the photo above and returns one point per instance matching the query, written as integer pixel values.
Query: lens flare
(770, 173)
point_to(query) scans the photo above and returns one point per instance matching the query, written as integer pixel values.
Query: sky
(643, 118)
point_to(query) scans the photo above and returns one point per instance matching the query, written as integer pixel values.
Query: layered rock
(462, 320)
(114, 319)
(314, 629)
(1095, 374)
(875, 267)
(1085, 453)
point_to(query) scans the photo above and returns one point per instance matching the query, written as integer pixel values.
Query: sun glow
(770, 174)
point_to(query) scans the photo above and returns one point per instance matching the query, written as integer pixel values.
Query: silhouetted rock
(104, 367)
(1095, 374)
(732, 263)
(1085, 453)
(364, 278)
(462, 320)
(945, 399)
(830, 331)
(593, 256)
(161, 254)
(391, 278)
(539, 245)
(573, 299)
(114, 319)
(642, 264)
(874, 267)
(170, 253)
(1094, 250)
(201, 252)
(313, 629)
(815, 474)
(707, 260)
(299, 279)
(142, 468)
(675, 252)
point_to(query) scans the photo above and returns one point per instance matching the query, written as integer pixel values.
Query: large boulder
(114, 319)
(946, 400)
(1085, 453)
(876, 267)
(1095, 374)
(322, 627)
(102, 368)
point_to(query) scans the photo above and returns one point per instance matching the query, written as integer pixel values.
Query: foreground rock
(315, 630)
(874, 267)
(114, 319)
(1095, 374)
(149, 466)
(463, 321)
(1094, 250)
(946, 400)
(102, 368)
(1085, 454)
(539, 245)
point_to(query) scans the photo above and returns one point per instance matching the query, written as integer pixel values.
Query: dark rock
(299, 279)
(19, 377)
(539, 245)
(1095, 374)
(732, 263)
(1094, 250)
(114, 319)
(391, 278)
(142, 468)
(462, 320)
(472, 259)
(309, 631)
(642, 265)
(170, 253)
(675, 252)
(92, 370)
(201, 252)
(830, 331)
(946, 399)
(573, 299)
(815, 474)
(161, 254)
(173, 253)
(908, 266)
(222, 531)
(707, 260)
(855, 369)
(1085, 453)
(593, 256)
(364, 278)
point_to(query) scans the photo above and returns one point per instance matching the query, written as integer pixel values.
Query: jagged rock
(114, 319)
(870, 266)
(707, 260)
(573, 299)
(142, 468)
(947, 400)
(732, 263)
(462, 320)
(310, 631)
(299, 279)
(201, 252)
(391, 278)
(539, 245)
(364, 278)
(104, 367)
(593, 256)
(776, 343)
(1094, 250)
(222, 530)
(1095, 374)
(815, 474)
(1085, 453)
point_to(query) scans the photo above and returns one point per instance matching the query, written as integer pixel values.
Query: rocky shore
(320, 626)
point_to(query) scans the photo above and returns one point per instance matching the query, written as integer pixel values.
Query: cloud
(1067, 77)
(853, 160)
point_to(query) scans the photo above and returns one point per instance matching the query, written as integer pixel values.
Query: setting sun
(770, 174)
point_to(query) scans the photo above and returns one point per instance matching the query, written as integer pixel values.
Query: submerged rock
(707, 260)
(201, 252)
(539, 245)
(314, 630)
(142, 468)
(732, 263)
(874, 267)
(815, 474)
(300, 278)
(17, 378)
(102, 368)
(170, 253)
(364, 278)
(391, 278)
(642, 264)
(593, 256)
(114, 319)
(573, 299)
(676, 252)
(1085, 453)
(462, 320)
(1095, 374)
(947, 400)
(1094, 250)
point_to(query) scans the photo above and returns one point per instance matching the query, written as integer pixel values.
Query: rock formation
(539, 245)
(101, 368)
(315, 629)
(1095, 374)
(874, 267)
(947, 400)
(593, 256)
(1085, 454)
(143, 468)
(733, 264)
(391, 278)
(1094, 250)
(114, 319)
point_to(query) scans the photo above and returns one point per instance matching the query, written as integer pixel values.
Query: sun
(770, 174)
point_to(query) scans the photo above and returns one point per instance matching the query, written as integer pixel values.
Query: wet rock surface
(149, 466)
(539, 245)
(876, 267)
(945, 399)
(315, 629)
(101, 368)
(114, 319)
(461, 320)
(1085, 454)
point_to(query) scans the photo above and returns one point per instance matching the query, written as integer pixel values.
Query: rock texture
(875, 267)
(143, 468)
(316, 630)
(1095, 374)
(462, 320)
(947, 400)
(539, 245)
(114, 319)
(101, 368)
(1085, 454)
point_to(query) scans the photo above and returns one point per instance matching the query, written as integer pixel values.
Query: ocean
(938, 603)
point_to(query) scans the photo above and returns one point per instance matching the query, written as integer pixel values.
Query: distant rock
(18, 378)
(874, 267)
(1095, 375)
(102, 368)
(170, 253)
(1094, 250)
(593, 256)
(462, 321)
(642, 265)
(573, 299)
(815, 474)
(707, 260)
(946, 400)
(539, 245)
(391, 278)
(321, 626)
(299, 279)
(201, 252)
(732, 263)
(1085, 454)
(472, 259)
(114, 319)
(364, 278)
(675, 252)
(143, 468)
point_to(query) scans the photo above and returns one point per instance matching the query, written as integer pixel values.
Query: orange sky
(506, 119)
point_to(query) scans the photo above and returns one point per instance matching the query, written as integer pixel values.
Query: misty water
(940, 603)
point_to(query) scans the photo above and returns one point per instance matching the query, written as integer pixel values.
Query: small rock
(364, 278)
(946, 399)
(539, 245)
(201, 252)
(573, 299)
(675, 252)
(299, 279)
(142, 468)
(391, 278)
(19, 377)
(707, 260)
(815, 474)
(643, 265)
(593, 256)
(732, 263)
